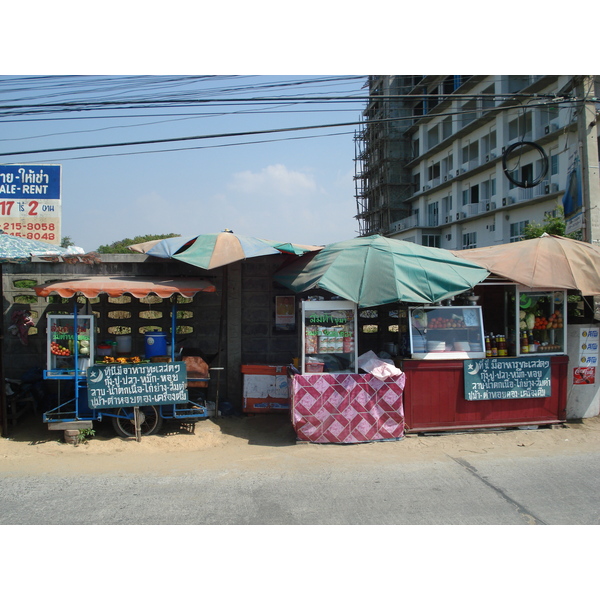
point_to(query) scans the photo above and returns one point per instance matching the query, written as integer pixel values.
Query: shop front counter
(443, 395)
(347, 408)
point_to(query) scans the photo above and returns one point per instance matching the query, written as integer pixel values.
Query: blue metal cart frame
(77, 409)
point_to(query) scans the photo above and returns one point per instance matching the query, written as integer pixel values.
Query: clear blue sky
(275, 185)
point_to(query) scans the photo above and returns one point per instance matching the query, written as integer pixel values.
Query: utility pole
(588, 151)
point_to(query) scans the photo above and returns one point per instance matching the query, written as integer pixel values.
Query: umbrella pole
(3, 407)
(221, 327)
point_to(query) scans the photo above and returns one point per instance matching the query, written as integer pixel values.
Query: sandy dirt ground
(264, 442)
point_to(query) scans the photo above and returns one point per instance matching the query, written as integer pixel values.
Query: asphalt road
(553, 490)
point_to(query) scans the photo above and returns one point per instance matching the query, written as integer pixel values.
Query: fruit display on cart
(59, 350)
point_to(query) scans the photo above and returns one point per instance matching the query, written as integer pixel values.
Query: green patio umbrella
(379, 270)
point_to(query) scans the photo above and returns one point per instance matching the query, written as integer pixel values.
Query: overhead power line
(245, 133)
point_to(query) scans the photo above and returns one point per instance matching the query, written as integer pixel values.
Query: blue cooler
(156, 343)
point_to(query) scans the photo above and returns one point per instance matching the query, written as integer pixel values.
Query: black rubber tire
(150, 426)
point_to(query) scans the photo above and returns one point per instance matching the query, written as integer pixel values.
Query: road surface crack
(529, 518)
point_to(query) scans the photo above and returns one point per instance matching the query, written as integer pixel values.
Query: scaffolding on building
(382, 183)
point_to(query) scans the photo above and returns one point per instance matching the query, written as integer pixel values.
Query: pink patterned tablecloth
(347, 408)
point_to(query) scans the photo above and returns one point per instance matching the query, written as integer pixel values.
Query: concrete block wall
(247, 317)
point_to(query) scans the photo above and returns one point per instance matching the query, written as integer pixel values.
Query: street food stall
(492, 354)
(334, 399)
(331, 401)
(500, 363)
(136, 392)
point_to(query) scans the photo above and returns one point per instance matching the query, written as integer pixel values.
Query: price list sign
(498, 379)
(30, 201)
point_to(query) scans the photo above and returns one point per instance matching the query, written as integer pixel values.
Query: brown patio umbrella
(549, 261)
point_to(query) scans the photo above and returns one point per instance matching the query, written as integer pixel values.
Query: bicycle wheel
(151, 421)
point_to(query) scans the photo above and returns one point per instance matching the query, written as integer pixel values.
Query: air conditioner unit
(487, 206)
(450, 176)
(445, 177)
(492, 155)
(554, 127)
(554, 187)
(449, 219)
(448, 236)
(426, 187)
(463, 215)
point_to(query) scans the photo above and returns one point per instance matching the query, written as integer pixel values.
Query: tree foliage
(121, 247)
(554, 224)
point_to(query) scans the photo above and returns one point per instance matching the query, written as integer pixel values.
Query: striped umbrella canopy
(212, 250)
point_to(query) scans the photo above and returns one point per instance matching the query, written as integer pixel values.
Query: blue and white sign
(30, 202)
(23, 182)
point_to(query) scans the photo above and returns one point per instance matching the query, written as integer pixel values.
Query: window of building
(447, 204)
(415, 147)
(433, 241)
(487, 99)
(520, 128)
(469, 112)
(516, 231)
(554, 161)
(447, 127)
(488, 188)
(433, 172)
(469, 240)
(488, 145)
(433, 214)
(433, 138)
(470, 195)
(417, 181)
(447, 165)
(470, 154)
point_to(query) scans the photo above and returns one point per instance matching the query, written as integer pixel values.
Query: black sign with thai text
(118, 385)
(504, 378)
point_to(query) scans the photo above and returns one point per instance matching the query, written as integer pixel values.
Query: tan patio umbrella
(549, 261)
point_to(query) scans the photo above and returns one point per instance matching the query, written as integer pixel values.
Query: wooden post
(138, 425)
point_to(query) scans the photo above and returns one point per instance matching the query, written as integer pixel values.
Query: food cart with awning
(114, 388)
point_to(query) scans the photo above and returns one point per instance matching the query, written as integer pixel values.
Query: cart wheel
(149, 415)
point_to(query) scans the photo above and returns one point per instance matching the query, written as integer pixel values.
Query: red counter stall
(495, 360)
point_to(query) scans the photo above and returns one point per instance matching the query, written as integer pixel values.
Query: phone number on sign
(28, 226)
(36, 235)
